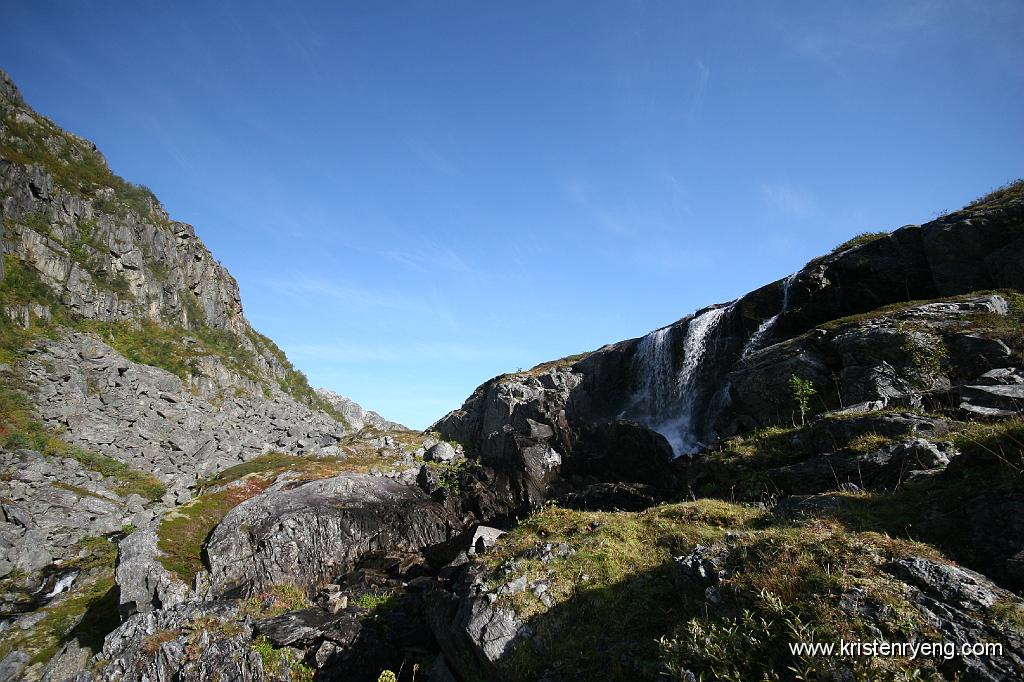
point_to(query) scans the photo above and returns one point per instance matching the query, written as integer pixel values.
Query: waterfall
(62, 585)
(666, 398)
(754, 342)
(653, 367)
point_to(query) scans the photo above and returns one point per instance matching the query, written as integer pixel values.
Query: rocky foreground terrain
(834, 457)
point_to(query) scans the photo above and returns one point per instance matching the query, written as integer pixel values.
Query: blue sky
(415, 197)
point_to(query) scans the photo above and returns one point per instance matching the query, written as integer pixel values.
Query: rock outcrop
(354, 414)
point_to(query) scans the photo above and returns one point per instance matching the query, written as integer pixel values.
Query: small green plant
(376, 601)
(752, 646)
(926, 353)
(802, 390)
(280, 662)
(387, 676)
(449, 474)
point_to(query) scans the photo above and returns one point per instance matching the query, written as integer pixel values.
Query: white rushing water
(653, 368)
(670, 396)
(62, 585)
(754, 342)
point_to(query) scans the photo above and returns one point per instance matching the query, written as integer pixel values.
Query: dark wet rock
(611, 496)
(828, 433)
(305, 627)
(992, 400)
(702, 568)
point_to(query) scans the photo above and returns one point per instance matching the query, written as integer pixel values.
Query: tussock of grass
(561, 363)
(282, 663)
(1001, 442)
(860, 240)
(276, 600)
(376, 601)
(1010, 191)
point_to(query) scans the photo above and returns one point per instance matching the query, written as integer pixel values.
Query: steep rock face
(909, 358)
(106, 249)
(310, 532)
(127, 367)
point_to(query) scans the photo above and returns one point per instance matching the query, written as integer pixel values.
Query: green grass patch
(561, 363)
(860, 240)
(1001, 442)
(376, 602)
(272, 464)
(275, 601)
(183, 532)
(282, 663)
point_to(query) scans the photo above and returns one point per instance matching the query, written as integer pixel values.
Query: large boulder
(308, 533)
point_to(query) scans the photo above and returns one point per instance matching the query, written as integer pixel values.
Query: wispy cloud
(434, 159)
(581, 194)
(703, 76)
(831, 39)
(430, 257)
(792, 201)
(342, 352)
(671, 257)
(313, 291)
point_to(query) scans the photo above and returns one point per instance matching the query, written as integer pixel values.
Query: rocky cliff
(129, 372)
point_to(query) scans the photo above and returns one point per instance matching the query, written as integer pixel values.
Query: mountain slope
(128, 375)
